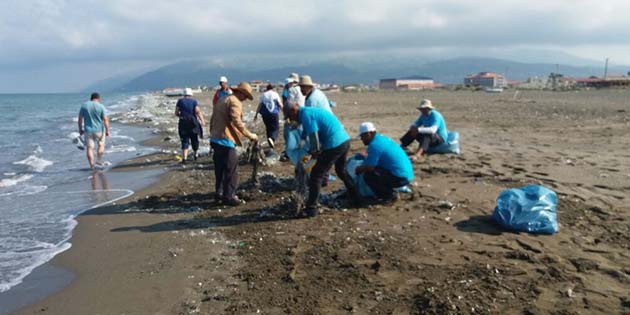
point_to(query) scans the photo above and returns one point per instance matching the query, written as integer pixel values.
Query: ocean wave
(8, 182)
(35, 163)
(120, 148)
(23, 190)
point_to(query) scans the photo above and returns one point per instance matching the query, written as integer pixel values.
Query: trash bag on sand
(359, 182)
(529, 209)
(450, 146)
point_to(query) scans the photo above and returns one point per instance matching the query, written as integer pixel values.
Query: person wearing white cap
(269, 108)
(429, 129)
(224, 90)
(191, 122)
(386, 166)
(291, 96)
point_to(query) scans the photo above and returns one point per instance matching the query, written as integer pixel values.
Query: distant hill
(194, 73)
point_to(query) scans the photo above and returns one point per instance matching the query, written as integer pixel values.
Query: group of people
(385, 167)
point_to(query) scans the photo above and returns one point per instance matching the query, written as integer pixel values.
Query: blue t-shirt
(329, 130)
(93, 114)
(317, 99)
(434, 119)
(186, 107)
(383, 152)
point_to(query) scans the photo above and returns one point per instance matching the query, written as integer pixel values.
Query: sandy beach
(170, 250)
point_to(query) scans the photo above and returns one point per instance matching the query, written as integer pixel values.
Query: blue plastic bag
(529, 209)
(450, 146)
(358, 180)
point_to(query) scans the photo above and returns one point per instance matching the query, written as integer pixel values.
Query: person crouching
(386, 166)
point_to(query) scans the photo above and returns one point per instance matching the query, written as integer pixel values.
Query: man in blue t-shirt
(329, 143)
(429, 129)
(190, 125)
(386, 166)
(94, 126)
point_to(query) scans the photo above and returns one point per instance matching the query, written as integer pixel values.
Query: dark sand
(171, 250)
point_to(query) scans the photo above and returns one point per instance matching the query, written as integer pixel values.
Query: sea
(45, 181)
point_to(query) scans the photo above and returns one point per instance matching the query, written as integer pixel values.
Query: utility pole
(606, 69)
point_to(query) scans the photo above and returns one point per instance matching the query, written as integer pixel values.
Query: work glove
(253, 137)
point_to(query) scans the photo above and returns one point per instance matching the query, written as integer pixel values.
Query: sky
(65, 45)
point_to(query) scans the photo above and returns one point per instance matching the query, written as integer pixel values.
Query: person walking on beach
(269, 107)
(94, 126)
(226, 130)
(190, 125)
(386, 166)
(224, 90)
(314, 97)
(429, 129)
(329, 143)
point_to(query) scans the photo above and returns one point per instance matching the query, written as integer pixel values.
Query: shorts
(94, 137)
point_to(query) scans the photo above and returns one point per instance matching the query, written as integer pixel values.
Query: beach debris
(445, 204)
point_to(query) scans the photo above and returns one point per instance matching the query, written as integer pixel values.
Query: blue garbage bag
(450, 146)
(529, 209)
(295, 146)
(358, 180)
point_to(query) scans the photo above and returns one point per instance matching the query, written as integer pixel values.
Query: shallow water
(44, 180)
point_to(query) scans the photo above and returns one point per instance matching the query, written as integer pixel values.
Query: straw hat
(425, 104)
(294, 77)
(188, 92)
(306, 80)
(246, 89)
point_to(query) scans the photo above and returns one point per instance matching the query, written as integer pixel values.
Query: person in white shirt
(269, 108)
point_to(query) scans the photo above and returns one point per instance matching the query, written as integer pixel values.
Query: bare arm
(200, 116)
(106, 122)
(80, 124)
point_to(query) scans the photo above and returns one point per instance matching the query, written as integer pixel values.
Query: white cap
(288, 80)
(366, 127)
(188, 92)
(223, 79)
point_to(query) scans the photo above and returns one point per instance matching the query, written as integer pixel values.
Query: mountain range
(346, 71)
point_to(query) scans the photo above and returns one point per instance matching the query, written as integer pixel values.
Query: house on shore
(486, 80)
(409, 83)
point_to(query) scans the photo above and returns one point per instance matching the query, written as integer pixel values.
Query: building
(411, 83)
(486, 80)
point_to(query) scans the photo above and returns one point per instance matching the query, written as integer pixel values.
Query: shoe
(195, 155)
(311, 212)
(232, 202)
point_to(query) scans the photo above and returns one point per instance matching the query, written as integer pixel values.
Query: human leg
(194, 139)
(230, 176)
(219, 158)
(185, 139)
(382, 182)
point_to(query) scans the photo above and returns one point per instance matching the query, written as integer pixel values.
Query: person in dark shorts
(191, 122)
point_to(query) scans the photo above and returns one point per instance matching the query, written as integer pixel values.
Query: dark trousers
(272, 125)
(426, 140)
(335, 156)
(225, 171)
(188, 139)
(382, 182)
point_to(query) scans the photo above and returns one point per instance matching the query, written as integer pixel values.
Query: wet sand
(171, 250)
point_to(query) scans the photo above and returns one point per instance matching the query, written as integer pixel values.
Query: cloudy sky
(64, 45)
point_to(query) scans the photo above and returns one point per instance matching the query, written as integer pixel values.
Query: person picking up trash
(190, 125)
(386, 166)
(226, 129)
(429, 129)
(329, 143)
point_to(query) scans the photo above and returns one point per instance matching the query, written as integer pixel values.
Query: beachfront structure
(608, 81)
(486, 80)
(412, 83)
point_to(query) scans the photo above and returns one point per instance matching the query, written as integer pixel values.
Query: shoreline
(170, 249)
